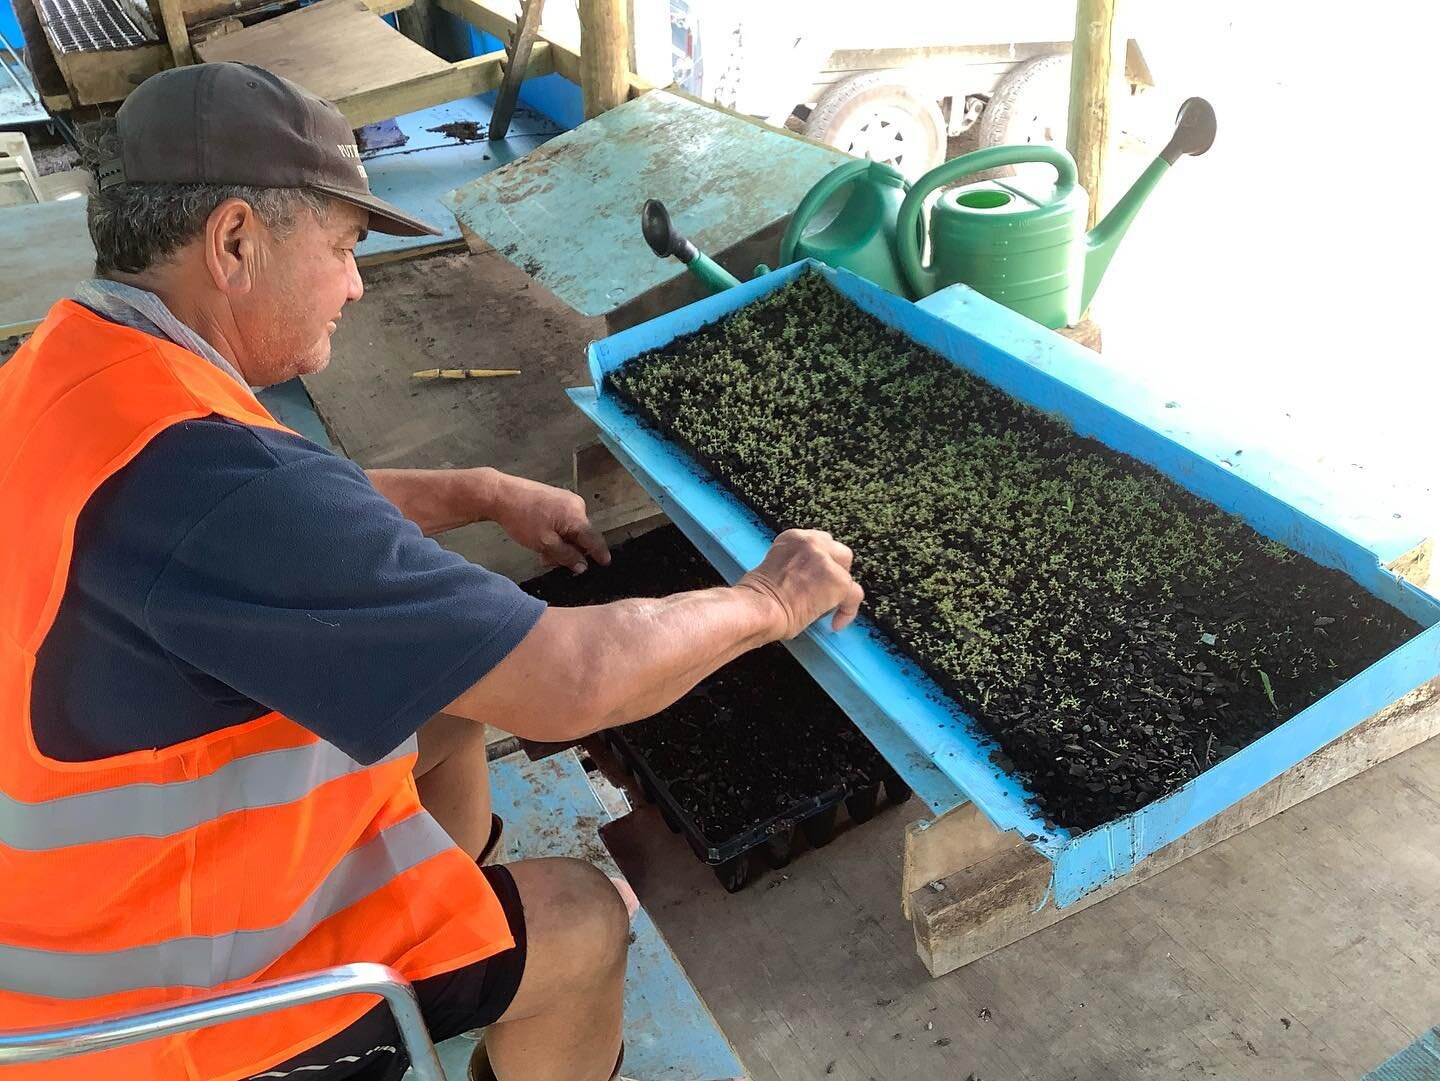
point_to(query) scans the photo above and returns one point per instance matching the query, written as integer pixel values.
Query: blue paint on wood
(1418, 1062)
(1065, 380)
(416, 175)
(10, 27)
(550, 810)
(569, 214)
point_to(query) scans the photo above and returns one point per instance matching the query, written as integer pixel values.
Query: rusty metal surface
(568, 213)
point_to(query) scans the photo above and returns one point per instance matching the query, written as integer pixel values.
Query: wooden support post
(416, 22)
(172, 13)
(604, 55)
(1093, 70)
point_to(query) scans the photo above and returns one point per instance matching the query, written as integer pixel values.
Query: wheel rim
(887, 134)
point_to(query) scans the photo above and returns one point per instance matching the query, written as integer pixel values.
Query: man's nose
(355, 287)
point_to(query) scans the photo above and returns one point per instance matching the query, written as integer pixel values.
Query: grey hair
(136, 226)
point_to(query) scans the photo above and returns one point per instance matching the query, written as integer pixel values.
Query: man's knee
(577, 904)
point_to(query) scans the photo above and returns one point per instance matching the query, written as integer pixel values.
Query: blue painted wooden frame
(939, 749)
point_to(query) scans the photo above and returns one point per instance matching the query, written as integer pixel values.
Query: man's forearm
(586, 669)
(439, 499)
(656, 651)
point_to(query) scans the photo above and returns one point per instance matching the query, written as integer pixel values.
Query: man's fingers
(841, 554)
(848, 609)
(592, 544)
(557, 552)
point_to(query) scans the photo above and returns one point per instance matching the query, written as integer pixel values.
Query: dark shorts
(453, 1002)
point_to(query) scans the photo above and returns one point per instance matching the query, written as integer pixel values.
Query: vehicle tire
(1031, 105)
(881, 116)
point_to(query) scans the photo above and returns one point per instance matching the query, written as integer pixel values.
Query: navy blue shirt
(228, 571)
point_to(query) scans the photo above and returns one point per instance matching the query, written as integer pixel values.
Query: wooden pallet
(970, 889)
(344, 52)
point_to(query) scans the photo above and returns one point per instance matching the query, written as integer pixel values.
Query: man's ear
(233, 235)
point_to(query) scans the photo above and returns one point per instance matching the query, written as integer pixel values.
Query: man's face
(301, 282)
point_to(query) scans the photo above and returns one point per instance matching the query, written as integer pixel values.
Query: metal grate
(82, 26)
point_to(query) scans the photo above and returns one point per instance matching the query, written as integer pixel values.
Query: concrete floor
(1305, 949)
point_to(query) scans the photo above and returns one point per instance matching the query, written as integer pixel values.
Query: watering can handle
(910, 231)
(816, 197)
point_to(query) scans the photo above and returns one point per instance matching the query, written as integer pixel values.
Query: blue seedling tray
(940, 751)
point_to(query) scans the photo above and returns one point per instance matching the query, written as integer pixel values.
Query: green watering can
(1028, 252)
(1026, 249)
(860, 236)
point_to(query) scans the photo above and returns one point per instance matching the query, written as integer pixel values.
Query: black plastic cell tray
(661, 562)
(773, 841)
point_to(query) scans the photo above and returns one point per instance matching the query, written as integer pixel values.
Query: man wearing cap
(242, 695)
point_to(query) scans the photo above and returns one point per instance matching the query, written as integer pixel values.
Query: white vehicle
(886, 80)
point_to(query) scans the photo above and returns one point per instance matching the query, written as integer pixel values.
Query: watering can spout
(1194, 134)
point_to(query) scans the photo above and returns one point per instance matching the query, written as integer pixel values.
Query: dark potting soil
(1114, 634)
(750, 742)
(462, 131)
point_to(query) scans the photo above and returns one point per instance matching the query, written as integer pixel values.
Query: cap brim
(384, 218)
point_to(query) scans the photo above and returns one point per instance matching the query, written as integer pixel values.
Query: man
(218, 643)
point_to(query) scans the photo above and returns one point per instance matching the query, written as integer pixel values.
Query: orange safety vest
(255, 852)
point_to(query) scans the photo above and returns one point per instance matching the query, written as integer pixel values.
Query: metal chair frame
(48, 1044)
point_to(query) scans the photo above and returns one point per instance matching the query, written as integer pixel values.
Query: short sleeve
(308, 592)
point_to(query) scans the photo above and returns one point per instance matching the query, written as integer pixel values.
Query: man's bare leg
(565, 1021)
(452, 774)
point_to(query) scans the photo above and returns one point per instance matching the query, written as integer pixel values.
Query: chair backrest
(42, 1045)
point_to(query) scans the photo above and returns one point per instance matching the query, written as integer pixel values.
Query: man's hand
(806, 573)
(550, 521)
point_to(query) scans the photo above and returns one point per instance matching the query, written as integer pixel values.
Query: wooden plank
(604, 55)
(1417, 566)
(200, 15)
(519, 44)
(476, 75)
(599, 176)
(98, 78)
(382, 73)
(484, 16)
(416, 20)
(172, 15)
(343, 52)
(1003, 897)
(1093, 69)
(481, 16)
(49, 80)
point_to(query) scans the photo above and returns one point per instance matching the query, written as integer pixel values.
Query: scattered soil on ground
(462, 131)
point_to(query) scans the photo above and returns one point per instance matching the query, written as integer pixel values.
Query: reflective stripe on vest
(205, 962)
(268, 779)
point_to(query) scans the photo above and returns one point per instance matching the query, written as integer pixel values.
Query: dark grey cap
(232, 123)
